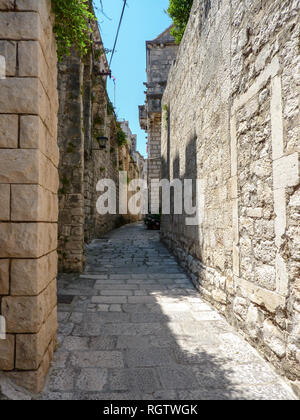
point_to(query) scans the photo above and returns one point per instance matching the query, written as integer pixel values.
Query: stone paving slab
(136, 329)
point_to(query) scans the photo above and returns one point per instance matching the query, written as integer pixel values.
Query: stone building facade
(85, 115)
(28, 190)
(161, 52)
(232, 104)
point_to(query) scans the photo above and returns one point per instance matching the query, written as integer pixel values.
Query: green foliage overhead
(71, 27)
(179, 12)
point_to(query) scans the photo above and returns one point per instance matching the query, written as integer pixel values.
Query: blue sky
(143, 20)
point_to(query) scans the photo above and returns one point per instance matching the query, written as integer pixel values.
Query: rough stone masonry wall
(82, 118)
(233, 103)
(127, 163)
(100, 163)
(28, 190)
(84, 115)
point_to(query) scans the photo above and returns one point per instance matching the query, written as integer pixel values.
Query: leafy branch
(179, 12)
(72, 29)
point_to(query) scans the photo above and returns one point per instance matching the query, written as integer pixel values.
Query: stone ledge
(262, 297)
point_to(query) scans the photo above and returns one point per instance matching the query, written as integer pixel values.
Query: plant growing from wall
(179, 12)
(72, 27)
(121, 137)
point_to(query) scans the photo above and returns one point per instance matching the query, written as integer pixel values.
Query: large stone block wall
(233, 105)
(28, 190)
(99, 163)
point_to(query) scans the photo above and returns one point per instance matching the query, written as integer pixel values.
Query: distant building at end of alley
(161, 53)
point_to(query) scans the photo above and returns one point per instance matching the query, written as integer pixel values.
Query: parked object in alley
(152, 221)
(160, 52)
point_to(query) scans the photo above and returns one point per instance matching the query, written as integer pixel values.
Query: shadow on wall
(174, 224)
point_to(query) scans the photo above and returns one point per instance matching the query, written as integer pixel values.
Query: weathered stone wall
(28, 190)
(233, 105)
(154, 159)
(99, 121)
(85, 114)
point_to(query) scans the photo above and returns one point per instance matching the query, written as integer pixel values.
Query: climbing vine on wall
(71, 27)
(179, 11)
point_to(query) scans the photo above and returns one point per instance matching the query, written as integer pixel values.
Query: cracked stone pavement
(133, 327)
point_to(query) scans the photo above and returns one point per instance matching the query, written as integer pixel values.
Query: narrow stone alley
(134, 327)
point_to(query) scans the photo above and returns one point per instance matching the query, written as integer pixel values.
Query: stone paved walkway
(134, 327)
